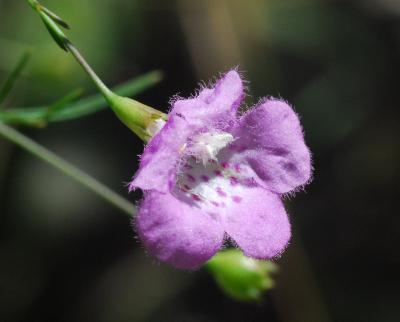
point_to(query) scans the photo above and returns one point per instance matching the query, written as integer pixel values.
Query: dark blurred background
(66, 255)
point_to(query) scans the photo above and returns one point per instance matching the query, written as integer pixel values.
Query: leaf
(36, 116)
(52, 23)
(63, 103)
(55, 17)
(54, 31)
(16, 72)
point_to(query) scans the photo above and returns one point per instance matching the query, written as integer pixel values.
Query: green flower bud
(241, 277)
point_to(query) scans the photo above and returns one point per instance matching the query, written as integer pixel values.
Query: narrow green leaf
(55, 17)
(34, 4)
(36, 116)
(55, 32)
(16, 72)
(63, 103)
(52, 22)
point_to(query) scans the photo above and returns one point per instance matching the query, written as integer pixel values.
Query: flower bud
(241, 277)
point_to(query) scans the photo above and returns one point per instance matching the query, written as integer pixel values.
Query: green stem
(68, 169)
(108, 94)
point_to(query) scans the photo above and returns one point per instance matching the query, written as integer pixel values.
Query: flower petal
(176, 232)
(212, 107)
(215, 106)
(228, 92)
(160, 157)
(259, 224)
(271, 141)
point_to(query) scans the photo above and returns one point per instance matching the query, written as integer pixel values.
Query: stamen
(206, 146)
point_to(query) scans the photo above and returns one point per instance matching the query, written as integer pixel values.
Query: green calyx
(138, 117)
(241, 277)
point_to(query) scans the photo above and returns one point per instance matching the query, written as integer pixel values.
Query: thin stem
(108, 94)
(68, 169)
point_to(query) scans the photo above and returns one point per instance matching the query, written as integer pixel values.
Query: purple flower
(211, 174)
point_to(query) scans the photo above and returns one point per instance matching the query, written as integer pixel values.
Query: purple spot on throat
(220, 192)
(225, 165)
(236, 199)
(205, 178)
(191, 178)
(195, 197)
(234, 181)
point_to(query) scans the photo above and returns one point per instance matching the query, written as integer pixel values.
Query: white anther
(206, 146)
